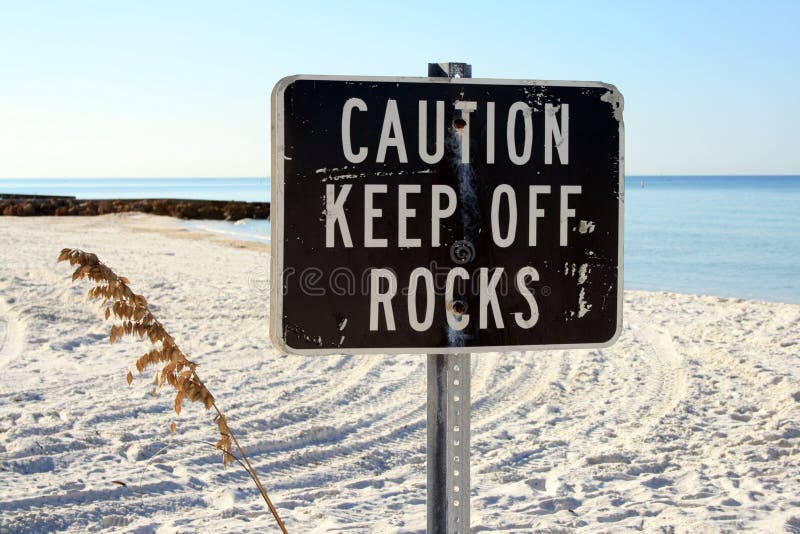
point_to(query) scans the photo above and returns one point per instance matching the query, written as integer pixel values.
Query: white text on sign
(555, 135)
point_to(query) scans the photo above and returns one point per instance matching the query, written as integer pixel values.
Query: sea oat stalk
(135, 318)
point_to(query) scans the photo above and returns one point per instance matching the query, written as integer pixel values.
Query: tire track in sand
(640, 390)
(586, 407)
(513, 382)
(12, 335)
(379, 412)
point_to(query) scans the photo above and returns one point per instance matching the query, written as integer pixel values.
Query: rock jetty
(31, 205)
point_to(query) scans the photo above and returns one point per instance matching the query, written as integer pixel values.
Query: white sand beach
(690, 423)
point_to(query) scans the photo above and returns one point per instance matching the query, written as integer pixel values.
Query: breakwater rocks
(23, 205)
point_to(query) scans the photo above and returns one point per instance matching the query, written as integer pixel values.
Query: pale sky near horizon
(181, 89)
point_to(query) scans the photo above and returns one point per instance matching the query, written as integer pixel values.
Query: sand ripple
(691, 422)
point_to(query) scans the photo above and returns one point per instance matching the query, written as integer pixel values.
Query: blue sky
(180, 88)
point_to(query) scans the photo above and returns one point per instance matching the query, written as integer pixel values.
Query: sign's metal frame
(277, 216)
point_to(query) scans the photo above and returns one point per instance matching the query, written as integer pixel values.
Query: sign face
(435, 215)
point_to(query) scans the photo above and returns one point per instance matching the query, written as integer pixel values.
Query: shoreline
(170, 226)
(51, 205)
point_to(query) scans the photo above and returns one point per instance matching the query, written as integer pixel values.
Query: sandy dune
(690, 423)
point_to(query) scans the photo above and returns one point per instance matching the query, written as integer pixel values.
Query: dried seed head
(135, 316)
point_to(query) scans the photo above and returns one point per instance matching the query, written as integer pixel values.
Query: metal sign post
(448, 442)
(449, 408)
(445, 216)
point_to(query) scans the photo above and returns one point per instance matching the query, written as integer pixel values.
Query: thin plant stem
(250, 470)
(178, 370)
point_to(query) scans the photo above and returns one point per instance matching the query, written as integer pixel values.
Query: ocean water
(246, 229)
(729, 236)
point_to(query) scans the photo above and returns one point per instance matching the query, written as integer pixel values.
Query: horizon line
(627, 175)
